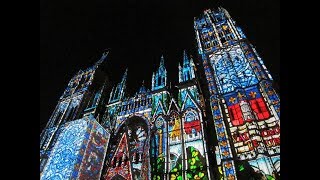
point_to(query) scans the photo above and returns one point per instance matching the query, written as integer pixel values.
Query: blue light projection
(232, 70)
(66, 152)
(79, 151)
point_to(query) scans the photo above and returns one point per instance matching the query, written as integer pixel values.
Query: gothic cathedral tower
(245, 107)
(220, 121)
(84, 96)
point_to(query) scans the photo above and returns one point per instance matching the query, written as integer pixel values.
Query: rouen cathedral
(221, 121)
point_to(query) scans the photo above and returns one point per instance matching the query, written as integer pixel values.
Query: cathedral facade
(222, 121)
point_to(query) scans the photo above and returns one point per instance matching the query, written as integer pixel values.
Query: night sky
(74, 33)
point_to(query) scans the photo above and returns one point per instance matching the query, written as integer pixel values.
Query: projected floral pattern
(65, 154)
(79, 151)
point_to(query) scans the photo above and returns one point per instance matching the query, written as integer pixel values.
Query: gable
(159, 109)
(188, 102)
(173, 106)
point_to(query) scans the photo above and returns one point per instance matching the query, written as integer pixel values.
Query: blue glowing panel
(159, 109)
(64, 156)
(232, 70)
(228, 167)
(243, 69)
(79, 151)
(241, 32)
(262, 164)
(225, 74)
(189, 103)
(159, 147)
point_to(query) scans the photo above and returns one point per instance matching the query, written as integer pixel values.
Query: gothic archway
(128, 153)
(118, 177)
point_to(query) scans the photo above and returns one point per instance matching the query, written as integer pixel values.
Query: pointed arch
(120, 166)
(173, 106)
(189, 102)
(118, 177)
(135, 130)
(159, 109)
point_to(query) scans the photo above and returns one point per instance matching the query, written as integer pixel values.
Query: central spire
(142, 89)
(186, 72)
(103, 57)
(162, 61)
(124, 77)
(117, 93)
(185, 59)
(159, 78)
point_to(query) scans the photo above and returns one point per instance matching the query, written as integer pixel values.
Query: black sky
(73, 34)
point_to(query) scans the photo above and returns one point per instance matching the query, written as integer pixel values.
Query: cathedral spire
(180, 73)
(193, 67)
(185, 58)
(142, 89)
(186, 72)
(118, 93)
(153, 79)
(124, 77)
(162, 61)
(159, 78)
(103, 57)
(123, 83)
(111, 94)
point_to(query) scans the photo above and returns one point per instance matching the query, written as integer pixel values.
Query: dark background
(74, 33)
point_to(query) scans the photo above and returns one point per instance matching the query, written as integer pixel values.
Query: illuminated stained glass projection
(81, 81)
(175, 166)
(159, 149)
(48, 141)
(159, 78)
(251, 107)
(68, 155)
(64, 155)
(159, 103)
(188, 97)
(208, 36)
(94, 154)
(253, 127)
(273, 97)
(154, 136)
(268, 121)
(244, 104)
(130, 158)
(138, 148)
(240, 118)
(120, 164)
(232, 70)
(178, 150)
(196, 165)
(254, 61)
(222, 150)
